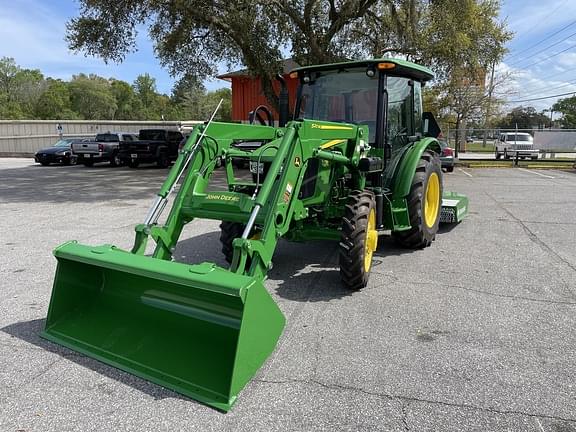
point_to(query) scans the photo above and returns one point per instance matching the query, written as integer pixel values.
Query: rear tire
(358, 240)
(506, 155)
(133, 164)
(424, 204)
(450, 169)
(115, 160)
(44, 163)
(163, 161)
(88, 163)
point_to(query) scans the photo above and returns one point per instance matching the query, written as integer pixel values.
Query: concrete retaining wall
(25, 137)
(555, 140)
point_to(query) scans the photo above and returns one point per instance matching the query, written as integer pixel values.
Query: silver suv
(510, 144)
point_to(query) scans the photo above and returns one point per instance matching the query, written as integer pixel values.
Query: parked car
(60, 152)
(104, 148)
(158, 146)
(447, 156)
(510, 144)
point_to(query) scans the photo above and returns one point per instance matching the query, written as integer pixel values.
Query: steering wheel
(256, 115)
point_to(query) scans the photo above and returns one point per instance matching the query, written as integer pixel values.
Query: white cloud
(538, 74)
(536, 17)
(567, 59)
(531, 84)
(33, 34)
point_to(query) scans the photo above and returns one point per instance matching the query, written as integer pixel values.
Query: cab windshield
(345, 96)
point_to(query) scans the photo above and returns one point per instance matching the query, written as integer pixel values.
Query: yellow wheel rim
(432, 200)
(371, 240)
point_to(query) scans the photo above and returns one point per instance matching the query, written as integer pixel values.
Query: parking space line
(467, 173)
(536, 172)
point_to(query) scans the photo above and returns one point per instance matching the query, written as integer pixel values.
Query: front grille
(523, 146)
(448, 215)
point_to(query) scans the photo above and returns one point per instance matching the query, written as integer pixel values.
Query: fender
(407, 167)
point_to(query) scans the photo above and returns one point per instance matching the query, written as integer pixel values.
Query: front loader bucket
(200, 330)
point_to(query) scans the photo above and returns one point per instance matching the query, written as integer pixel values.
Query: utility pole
(488, 104)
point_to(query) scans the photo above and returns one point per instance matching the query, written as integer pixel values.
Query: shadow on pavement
(29, 331)
(62, 184)
(304, 272)
(296, 266)
(77, 183)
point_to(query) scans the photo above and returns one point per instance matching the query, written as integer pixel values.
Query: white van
(509, 144)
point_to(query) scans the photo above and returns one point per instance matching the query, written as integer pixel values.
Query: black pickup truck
(158, 146)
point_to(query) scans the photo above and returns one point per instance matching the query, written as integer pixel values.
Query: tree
(54, 103)
(91, 97)
(567, 107)
(145, 89)
(464, 97)
(20, 89)
(524, 118)
(195, 36)
(128, 106)
(8, 71)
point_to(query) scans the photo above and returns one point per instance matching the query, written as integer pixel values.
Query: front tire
(228, 232)
(497, 155)
(358, 240)
(424, 204)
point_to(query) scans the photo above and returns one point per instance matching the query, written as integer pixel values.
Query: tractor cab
(384, 94)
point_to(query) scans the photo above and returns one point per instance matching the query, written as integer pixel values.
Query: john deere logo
(297, 162)
(222, 197)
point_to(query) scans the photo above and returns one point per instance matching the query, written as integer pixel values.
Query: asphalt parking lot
(476, 332)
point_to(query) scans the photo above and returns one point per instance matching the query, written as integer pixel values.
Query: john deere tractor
(358, 159)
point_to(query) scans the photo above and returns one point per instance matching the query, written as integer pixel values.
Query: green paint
(200, 329)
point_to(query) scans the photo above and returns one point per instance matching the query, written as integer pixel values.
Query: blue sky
(536, 61)
(32, 32)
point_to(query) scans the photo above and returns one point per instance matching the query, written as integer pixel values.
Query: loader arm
(274, 204)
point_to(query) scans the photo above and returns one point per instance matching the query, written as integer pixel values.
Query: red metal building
(247, 91)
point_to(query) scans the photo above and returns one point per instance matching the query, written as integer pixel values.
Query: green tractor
(359, 159)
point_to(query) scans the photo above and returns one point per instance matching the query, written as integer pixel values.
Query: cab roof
(402, 68)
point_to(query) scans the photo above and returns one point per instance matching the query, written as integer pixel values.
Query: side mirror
(431, 128)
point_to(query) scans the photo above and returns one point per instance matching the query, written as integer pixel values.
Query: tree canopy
(524, 118)
(194, 37)
(27, 94)
(567, 107)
